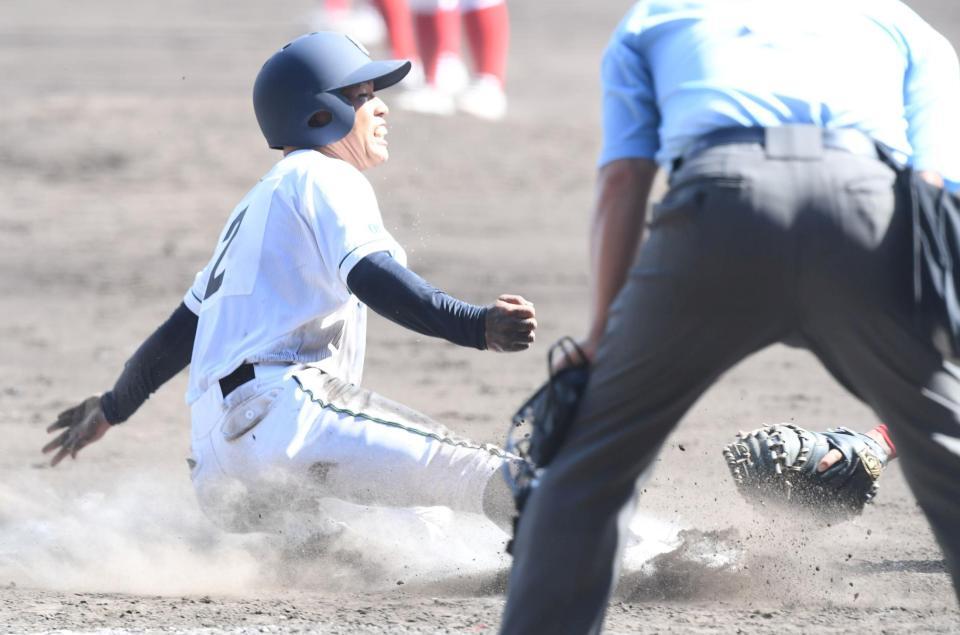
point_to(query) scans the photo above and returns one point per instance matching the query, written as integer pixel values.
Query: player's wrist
(482, 326)
(881, 435)
(108, 406)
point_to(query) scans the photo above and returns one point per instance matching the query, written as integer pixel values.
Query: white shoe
(427, 100)
(452, 75)
(436, 98)
(484, 98)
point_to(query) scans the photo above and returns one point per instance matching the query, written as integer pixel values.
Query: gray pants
(744, 251)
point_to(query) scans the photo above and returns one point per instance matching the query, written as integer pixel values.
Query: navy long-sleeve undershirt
(378, 280)
(161, 356)
(403, 297)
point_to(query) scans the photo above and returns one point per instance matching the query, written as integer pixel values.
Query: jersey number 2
(216, 279)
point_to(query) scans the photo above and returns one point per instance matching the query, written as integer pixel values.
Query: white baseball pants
(294, 435)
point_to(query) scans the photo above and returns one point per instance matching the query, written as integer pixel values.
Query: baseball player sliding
(274, 327)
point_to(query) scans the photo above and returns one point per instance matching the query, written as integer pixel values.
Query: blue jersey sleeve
(631, 118)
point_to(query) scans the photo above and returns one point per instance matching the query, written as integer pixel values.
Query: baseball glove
(776, 467)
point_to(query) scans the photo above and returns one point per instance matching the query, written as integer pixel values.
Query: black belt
(780, 140)
(237, 378)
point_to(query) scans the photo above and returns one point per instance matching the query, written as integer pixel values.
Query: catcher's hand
(82, 425)
(776, 466)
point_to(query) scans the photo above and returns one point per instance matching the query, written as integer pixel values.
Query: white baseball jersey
(275, 288)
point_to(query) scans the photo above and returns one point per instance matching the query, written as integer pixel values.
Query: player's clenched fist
(511, 324)
(82, 425)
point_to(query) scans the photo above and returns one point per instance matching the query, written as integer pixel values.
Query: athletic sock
(438, 35)
(488, 33)
(399, 21)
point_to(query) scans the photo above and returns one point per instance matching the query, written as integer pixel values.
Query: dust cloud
(143, 533)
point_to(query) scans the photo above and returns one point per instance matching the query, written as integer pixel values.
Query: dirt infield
(127, 137)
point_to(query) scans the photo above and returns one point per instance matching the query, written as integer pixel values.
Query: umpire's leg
(691, 308)
(861, 326)
(918, 395)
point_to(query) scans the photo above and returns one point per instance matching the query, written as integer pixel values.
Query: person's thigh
(327, 438)
(915, 392)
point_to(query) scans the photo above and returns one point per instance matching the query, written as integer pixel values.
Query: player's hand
(511, 324)
(833, 456)
(81, 425)
(933, 178)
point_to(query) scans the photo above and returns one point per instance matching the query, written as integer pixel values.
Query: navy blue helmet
(305, 77)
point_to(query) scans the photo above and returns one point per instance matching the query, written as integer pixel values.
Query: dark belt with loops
(792, 141)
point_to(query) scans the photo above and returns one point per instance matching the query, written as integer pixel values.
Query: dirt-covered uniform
(273, 300)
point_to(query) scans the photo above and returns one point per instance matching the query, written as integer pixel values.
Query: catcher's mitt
(776, 466)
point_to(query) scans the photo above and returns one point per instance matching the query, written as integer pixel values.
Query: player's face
(366, 144)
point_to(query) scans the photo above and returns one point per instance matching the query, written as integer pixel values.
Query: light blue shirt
(677, 69)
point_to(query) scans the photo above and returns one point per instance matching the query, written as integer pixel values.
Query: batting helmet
(305, 77)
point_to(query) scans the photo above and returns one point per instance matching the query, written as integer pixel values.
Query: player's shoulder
(895, 13)
(325, 185)
(918, 36)
(318, 170)
(325, 178)
(647, 13)
(648, 17)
